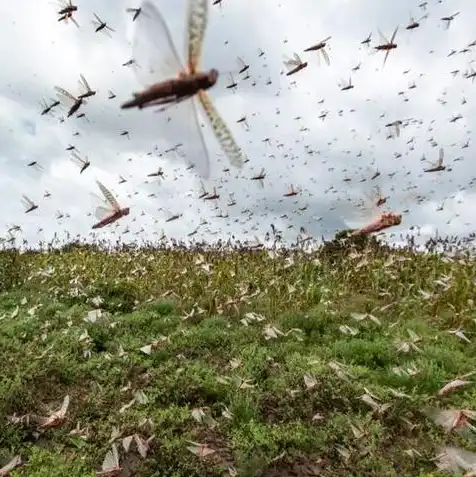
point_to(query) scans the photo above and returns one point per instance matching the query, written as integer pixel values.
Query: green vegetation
(296, 363)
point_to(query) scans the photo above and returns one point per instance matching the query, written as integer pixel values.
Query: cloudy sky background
(318, 156)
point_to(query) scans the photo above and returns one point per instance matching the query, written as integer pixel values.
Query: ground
(300, 364)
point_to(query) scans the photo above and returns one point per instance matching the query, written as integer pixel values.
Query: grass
(265, 359)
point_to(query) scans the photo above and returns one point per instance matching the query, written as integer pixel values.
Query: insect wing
(195, 148)
(153, 49)
(65, 96)
(26, 202)
(77, 159)
(241, 63)
(167, 213)
(196, 24)
(325, 56)
(203, 190)
(376, 202)
(71, 18)
(102, 212)
(61, 4)
(394, 35)
(290, 64)
(109, 197)
(365, 209)
(83, 84)
(221, 131)
(441, 156)
(383, 40)
(102, 209)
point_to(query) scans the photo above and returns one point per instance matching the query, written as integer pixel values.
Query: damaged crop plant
(351, 358)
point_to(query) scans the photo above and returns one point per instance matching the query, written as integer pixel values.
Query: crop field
(351, 360)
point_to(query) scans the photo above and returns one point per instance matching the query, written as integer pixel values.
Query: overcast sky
(329, 159)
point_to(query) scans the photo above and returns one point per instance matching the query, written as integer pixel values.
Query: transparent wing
(202, 158)
(368, 205)
(356, 208)
(203, 190)
(77, 159)
(109, 197)
(26, 201)
(290, 64)
(394, 35)
(383, 40)
(84, 84)
(61, 4)
(221, 131)
(326, 56)
(297, 59)
(441, 156)
(100, 203)
(153, 49)
(65, 96)
(196, 24)
(72, 19)
(181, 133)
(194, 148)
(102, 212)
(168, 213)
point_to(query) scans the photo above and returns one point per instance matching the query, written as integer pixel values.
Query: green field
(300, 364)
